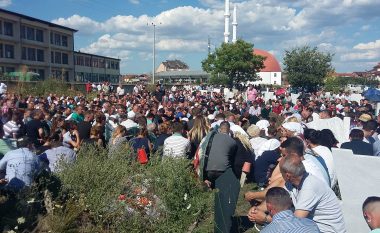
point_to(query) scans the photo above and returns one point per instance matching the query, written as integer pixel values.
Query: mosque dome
(270, 64)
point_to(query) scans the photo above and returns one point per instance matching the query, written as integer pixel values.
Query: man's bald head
(371, 212)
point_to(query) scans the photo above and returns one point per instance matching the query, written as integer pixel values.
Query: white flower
(188, 207)
(185, 197)
(30, 201)
(11, 231)
(21, 220)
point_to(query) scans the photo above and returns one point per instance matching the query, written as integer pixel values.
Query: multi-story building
(95, 68)
(32, 45)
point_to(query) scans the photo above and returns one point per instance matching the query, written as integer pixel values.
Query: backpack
(142, 157)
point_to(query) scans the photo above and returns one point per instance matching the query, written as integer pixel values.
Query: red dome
(270, 64)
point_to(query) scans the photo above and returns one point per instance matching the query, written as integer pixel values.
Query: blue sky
(118, 28)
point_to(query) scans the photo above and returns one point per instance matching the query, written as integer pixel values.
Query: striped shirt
(176, 146)
(10, 128)
(286, 222)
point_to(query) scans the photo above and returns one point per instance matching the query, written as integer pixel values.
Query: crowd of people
(282, 145)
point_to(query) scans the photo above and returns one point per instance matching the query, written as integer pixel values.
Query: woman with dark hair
(71, 137)
(141, 141)
(328, 139)
(164, 131)
(95, 137)
(323, 154)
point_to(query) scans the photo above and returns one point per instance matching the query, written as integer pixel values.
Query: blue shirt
(20, 166)
(286, 222)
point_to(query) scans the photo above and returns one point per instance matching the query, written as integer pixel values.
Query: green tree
(307, 67)
(234, 60)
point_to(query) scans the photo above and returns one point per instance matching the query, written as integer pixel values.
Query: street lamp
(154, 51)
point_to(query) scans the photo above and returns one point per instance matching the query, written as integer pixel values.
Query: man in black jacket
(357, 145)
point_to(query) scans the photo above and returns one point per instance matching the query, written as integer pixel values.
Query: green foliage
(95, 182)
(234, 60)
(336, 84)
(307, 67)
(221, 80)
(44, 88)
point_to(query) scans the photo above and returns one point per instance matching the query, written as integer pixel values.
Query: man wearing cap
(129, 123)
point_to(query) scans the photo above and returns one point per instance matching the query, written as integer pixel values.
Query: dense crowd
(282, 144)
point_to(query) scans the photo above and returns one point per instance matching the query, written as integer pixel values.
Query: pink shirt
(251, 94)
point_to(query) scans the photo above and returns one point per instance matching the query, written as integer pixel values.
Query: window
(41, 72)
(52, 57)
(1, 50)
(79, 60)
(39, 35)
(51, 38)
(30, 33)
(1, 27)
(23, 53)
(116, 65)
(275, 75)
(101, 63)
(8, 28)
(65, 58)
(31, 54)
(9, 51)
(58, 58)
(64, 41)
(87, 61)
(40, 55)
(95, 62)
(57, 39)
(9, 69)
(23, 32)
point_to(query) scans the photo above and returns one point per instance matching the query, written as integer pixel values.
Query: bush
(44, 88)
(118, 194)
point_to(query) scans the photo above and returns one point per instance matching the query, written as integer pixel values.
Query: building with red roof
(271, 73)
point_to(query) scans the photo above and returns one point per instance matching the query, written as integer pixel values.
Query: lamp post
(154, 51)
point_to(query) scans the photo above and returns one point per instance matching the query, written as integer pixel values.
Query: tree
(234, 60)
(307, 67)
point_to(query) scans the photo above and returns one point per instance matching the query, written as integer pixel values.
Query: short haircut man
(294, 145)
(371, 212)
(224, 127)
(177, 127)
(356, 134)
(311, 197)
(279, 199)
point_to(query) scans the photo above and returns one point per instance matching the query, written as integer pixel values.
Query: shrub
(117, 194)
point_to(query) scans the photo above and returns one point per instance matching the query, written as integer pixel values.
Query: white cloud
(269, 24)
(367, 55)
(363, 51)
(5, 3)
(136, 2)
(370, 45)
(174, 56)
(83, 24)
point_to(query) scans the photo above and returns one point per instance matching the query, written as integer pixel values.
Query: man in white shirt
(176, 146)
(120, 91)
(129, 123)
(311, 197)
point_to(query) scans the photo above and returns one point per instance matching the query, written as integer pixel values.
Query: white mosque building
(271, 73)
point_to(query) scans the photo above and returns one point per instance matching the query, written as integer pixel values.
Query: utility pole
(154, 51)
(209, 45)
